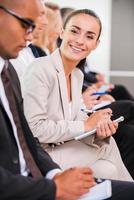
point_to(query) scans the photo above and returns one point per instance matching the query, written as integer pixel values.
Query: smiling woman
(82, 36)
(54, 110)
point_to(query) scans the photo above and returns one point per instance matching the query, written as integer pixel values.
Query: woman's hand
(107, 97)
(93, 120)
(106, 128)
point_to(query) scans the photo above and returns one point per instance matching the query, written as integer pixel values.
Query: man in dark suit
(18, 178)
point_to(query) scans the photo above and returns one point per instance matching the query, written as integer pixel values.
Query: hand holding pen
(90, 100)
(103, 94)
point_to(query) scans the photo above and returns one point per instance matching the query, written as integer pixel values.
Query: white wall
(100, 59)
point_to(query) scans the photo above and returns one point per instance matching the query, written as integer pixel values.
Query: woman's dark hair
(87, 12)
(81, 64)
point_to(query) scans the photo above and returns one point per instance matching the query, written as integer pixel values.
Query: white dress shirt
(23, 168)
(21, 63)
(4, 100)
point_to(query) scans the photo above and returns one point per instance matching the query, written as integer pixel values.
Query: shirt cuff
(52, 173)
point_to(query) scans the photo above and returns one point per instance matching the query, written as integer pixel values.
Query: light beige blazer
(47, 111)
(46, 101)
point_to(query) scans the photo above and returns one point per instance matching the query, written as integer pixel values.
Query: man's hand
(73, 183)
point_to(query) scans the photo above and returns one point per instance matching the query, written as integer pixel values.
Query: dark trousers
(122, 190)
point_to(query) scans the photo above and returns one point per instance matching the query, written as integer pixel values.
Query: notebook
(99, 192)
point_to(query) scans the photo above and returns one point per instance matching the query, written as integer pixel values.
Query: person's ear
(61, 34)
(96, 45)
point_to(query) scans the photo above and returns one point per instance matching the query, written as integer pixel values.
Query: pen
(87, 111)
(99, 93)
(92, 111)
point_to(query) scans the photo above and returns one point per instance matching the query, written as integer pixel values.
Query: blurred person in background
(47, 42)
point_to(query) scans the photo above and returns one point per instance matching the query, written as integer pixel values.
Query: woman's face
(79, 37)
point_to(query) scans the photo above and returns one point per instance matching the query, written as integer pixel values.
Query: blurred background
(115, 55)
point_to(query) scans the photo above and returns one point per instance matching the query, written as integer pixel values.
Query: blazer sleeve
(25, 188)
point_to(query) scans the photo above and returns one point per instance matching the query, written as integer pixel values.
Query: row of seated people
(53, 102)
(40, 121)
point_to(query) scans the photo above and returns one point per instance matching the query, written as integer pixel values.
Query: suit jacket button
(15, 161)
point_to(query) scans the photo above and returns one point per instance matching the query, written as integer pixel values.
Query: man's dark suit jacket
(37, 51)
(12, 184)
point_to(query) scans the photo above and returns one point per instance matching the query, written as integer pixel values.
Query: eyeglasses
(28, 24)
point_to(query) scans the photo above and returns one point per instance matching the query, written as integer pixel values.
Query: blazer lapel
(62, 82)
(1, 103)
(76, 86)
(63, 92)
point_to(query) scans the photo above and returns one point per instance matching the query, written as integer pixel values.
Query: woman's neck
(69, 65)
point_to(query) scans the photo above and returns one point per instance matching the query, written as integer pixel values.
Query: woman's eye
(90, 37)
(74, 31)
